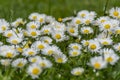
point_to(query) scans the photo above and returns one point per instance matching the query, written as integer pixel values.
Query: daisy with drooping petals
(77, 71)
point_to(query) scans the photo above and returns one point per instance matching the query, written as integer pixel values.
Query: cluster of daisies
(29, 43)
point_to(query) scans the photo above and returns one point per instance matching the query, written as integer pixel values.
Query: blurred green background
(12, 9)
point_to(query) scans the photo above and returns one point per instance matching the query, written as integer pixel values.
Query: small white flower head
(94, 45)
(33, 25)
(116, 30)
(46, 30)
(74, 53)
(111, 58)
(33, 16)
(34, 70)
(115, 12)
(5, 62)
(102, 19)
(49, 19)
(33, 33)
(106, 26)
(58, 27)
(9, 33)
(4, 25)
(98, 62)
(115, 23)
(106, 51)
(60, 58)
(44, 63)
(85, 42)
(19, 63)
(83, 14)
(46, 39)
(18, 22)
(34, 59)
(9, 53)
(106, 41)
(58, 36)
(29, 52)
(117, 47)
(14, 40)
(87, 20)
(92, 14)
(73, 31)
(86, 30)
(41, 18)
(50, 50)
(39, 45)
(77, 71)
(77, 21)
(75, 46)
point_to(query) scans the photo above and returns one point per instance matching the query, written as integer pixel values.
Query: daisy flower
(19, 63)
(34, 70)
(98, 62)
(77, 71)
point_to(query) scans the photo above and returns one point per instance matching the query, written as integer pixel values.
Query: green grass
(57, 8)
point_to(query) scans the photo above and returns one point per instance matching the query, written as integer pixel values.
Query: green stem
(105, 8)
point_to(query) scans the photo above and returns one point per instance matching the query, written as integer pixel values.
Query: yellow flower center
(105, 43)
(9, 34)
(71, 30)
(9, 55)
(58, 36)
(78, 22)
(75, 53)
(83, 15)
(42, 64)
(19, 49)
(86, 43)
(59, 60)
(86, 31)
(46, 41)
(93, 46)
(117, 31)
(107, 26)
(14, 41)
(33, 26)
(50, 52)
(25, 33)
(35, 71)
(26, 46)
(46, 31)
(31, 53)
(20, 64)
(33, 33)
(75, 47)
(3, 28)
(34, 17)
(102, 21)
(34, 60)
(109, 59)
(77, 73)
(97, 65)
(41, 46)
(116, 13)
(41, 20)
(60, 19)
(87, 21)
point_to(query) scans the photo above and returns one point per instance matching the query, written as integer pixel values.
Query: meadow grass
(57, 8)
(12, 9)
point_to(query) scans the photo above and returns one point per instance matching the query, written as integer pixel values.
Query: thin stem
(105, 8)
